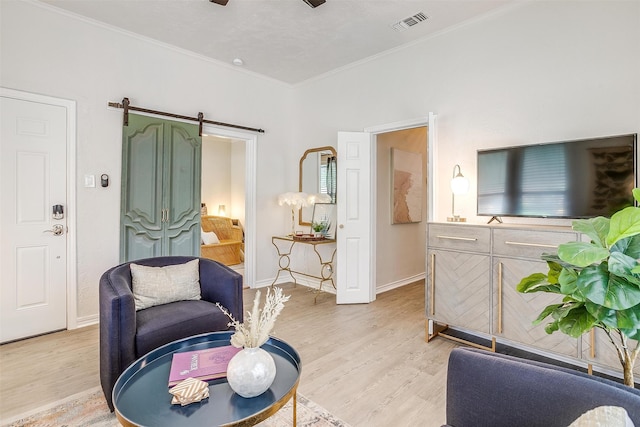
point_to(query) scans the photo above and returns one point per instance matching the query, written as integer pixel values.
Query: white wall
(47, 52)
(401, 248)
(539, 71)
(535, 72)
(216, 173)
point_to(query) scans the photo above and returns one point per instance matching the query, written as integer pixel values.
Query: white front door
(33, 244)
(354, 249)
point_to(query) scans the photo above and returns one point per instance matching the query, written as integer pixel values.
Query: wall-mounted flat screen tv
(574, 179)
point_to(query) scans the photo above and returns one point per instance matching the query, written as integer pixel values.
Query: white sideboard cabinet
(459, 276)
(516, 254)
(472, 273)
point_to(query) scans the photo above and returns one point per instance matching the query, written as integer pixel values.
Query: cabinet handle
(533, 245)
(162, 217)
(166, 219)
(433, 284)
(500, 298)
(466, 239)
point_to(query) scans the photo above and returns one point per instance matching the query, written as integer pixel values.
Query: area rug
(89, 409)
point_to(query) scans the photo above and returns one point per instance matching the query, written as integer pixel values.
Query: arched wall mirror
(318, 174)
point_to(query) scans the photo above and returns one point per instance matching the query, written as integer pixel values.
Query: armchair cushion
(161, 285)
(162, 324)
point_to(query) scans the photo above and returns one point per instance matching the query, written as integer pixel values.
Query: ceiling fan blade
(314, 3)
(220, 2)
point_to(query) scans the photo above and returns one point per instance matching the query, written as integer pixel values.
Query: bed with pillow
(221, 240)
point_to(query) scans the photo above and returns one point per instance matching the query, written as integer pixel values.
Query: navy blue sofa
(126, 335)
(491, 389)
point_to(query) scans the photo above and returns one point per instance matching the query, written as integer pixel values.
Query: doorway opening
(228, 189)
(391, 270)
(223, 200)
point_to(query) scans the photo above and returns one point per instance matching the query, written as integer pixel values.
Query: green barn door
(160, 209)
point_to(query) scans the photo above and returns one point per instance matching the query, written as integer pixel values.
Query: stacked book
(207, 364)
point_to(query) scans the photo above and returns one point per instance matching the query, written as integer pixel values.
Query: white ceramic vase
(251, 372)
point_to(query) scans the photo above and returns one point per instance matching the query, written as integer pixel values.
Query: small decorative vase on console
(251, 372)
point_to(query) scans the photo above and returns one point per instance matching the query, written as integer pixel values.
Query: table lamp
(459, 185)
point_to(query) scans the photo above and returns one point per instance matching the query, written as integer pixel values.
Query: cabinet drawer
(460, 237)
(528, 243)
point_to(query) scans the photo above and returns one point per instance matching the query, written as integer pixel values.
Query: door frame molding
(430, 122)
(70, 106)
(251, 149)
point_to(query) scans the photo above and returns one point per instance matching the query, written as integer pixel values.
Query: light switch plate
(89, 181)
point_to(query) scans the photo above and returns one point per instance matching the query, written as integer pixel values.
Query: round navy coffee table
(141, 395)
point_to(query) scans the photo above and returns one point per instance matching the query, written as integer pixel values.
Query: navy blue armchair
(491, 389)
(127, 334)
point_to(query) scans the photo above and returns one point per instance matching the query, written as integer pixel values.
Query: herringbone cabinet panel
(520, 310)
(603, 351)
(462, 289)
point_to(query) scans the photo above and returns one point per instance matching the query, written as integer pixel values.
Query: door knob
(57, 230)
(341, 226)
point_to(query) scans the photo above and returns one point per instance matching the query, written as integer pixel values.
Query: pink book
(207, 364)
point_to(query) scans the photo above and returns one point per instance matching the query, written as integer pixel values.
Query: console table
(284, 246)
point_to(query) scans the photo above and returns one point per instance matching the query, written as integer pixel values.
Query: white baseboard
(314, 283)
(81, 322)
(305, 281)
(399, 283)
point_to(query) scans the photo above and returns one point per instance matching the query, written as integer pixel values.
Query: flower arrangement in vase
(319, 228)
(252, 370)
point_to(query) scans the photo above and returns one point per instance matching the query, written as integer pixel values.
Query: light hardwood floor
(367, 364)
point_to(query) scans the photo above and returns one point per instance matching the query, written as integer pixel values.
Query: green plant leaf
(602, 314)
(596, 228)
(555, 269)
(551, 327)
(606, 289)
(628, 246)
(634, 334)
(576, 322)
(623, 224)
(564, 309)
(628, 319)
(622, 265)
(582, 254)
(555, 263)
(546, 312)
(567, 280)
(537, 282)
(636, 194)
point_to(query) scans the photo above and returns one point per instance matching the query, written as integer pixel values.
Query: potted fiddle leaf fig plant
(599, 282)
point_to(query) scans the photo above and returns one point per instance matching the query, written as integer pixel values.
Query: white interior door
(353, 238)
(33, 248)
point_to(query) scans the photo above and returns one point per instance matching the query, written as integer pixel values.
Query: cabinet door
(597, 349)
(181, 197)
(141, 220)
(515, 312)
(161, 170)
(459, 289)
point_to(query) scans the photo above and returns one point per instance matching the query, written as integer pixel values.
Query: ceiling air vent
(409, 22)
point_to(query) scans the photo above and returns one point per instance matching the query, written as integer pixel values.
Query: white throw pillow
(210, 238)
(604, 416)
(161, 285)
